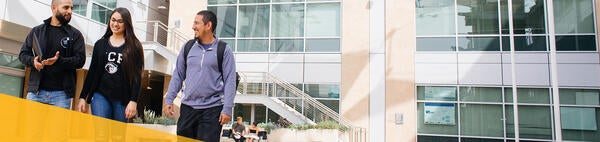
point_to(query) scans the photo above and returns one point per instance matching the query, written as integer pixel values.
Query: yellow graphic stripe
(29, 121)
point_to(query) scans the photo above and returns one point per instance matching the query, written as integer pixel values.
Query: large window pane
(225, 20)
(11, 61)
(479, 43)
(477, 17)
(80, 7)
(576, 43)
(436, 93)
(579, 96)
(252, 45)
(480, 140)
(288, 0)
(108, 3)
(435, 17)
(525, 43)
(230, 42)
(11, 85)
(260, 114)
(323, 19)
(322, 90)
(210, 2)
(424, 128)
(580, 124)
(332, 104)
(287, 45)
(436, 139)
(481, 120)
(288, 20)
(254, 1)
(529, 95)
(254, 21)
(535, 122)
(481, 94)
(322, 45)
(100, 14)
(574, 16)
(436, 44)
(528, 17)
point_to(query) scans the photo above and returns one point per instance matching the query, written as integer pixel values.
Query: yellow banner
(23, 120)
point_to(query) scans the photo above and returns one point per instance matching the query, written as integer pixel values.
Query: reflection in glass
(529, 95)
(331, 104)
(225, 20)
(436, 44)
(576, 43)
(230, 42)
(254, 21)
(322, 45)
(481, 94)
(435, 17)
(323, 20)
(288, 20)
(479, 43)
(574, 16)
(322, 90)
(525, 43)
(528, 17)
(477, 17)
(80, 7)
(252, 45)
(100, 13)
(436, 93)
(211, 2)
(254, 1)
(535, 122)
(579, 96)
(287, 45)
(584, 117)
(436, 139)
(481, 120)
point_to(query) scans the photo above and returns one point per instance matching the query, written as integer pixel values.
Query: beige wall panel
(400, 55)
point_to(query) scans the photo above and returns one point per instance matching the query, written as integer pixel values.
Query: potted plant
(152, 121)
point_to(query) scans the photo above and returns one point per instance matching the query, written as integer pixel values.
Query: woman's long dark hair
(133, 52)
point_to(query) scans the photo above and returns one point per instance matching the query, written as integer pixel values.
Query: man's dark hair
(209, 16)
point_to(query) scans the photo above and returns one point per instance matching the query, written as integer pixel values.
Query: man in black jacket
(52, 77)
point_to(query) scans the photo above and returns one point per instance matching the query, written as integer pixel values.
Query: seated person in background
(238, 130)
(252, 132)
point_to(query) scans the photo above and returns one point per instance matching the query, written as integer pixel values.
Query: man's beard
(62, 19)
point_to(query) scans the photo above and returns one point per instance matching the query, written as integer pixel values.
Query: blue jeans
(103, 107)
(55, 98)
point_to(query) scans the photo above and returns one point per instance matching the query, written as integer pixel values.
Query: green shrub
(320, 125)
(151, 118)
(268, 126)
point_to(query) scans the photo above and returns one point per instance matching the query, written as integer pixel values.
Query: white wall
(313, 68)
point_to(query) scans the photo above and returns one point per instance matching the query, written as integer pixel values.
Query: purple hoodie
(204, 86)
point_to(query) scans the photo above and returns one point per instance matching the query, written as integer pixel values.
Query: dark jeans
(201, 124)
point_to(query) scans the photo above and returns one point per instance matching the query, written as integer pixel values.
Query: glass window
(211, 2)
(576, 43)
(260, 114)
(252, 45)
(525, 43)
(322, 45)
(529, 95)
(579, 96)
(288, 20)
(254, 21)
(481, 94)
(100, 13)
(580, 124)
(528, 17)
(254, 1)
(535, 122)
(436, 139)
(230, 42)
(287, 45)
(108, 3)
(436, 93)
(288, 0)
(323, 20)
(477, 16)
(11, 85)
(225, 20)
(273, 117)
(424, 128)
(479, 43)
(80, 7)
(11, 61)
(481, 120)
(436, 44)
(574, 16)
(332, 104)
(480, 140)
(322, 90)
(435, 17)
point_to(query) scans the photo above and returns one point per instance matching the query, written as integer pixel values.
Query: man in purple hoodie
(207, 99)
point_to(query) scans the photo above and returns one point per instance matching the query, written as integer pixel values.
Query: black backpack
(220, 52)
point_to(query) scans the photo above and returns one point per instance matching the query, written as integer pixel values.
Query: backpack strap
(186, 50)
(220, 52)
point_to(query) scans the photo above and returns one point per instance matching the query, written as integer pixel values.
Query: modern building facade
(415, 70)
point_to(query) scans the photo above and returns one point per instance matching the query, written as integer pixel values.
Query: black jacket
(69, 61)
(93, 77)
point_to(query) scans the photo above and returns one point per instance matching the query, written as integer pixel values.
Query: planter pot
(172, 129)
(311, 135)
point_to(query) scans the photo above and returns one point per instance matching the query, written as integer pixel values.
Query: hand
(36, 63)
(224, 118)
(51, 61)
(131, 110)
(168, 109)
(81, 105)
